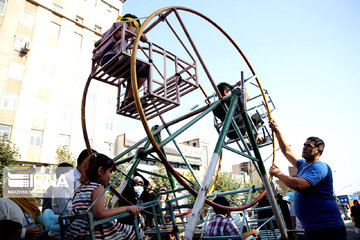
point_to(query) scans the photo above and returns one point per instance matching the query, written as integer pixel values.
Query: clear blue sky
(306, 53)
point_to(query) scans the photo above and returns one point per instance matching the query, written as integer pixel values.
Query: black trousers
(331, 233)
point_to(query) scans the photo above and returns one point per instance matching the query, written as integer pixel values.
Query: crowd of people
(313, 213)
(85, 184)
(313, 210)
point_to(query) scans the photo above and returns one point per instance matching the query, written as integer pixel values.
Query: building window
(109, 124)
(91, 95)
(35, 138)
(54, 30)
(79, 19)
(2, 7)
(147, 162)
(27, 18)
(97, 28)
(77, 40)
(64, 140)
(109, 13)
(9, 101)
(5, 130)
(57, 8)
(195, 167)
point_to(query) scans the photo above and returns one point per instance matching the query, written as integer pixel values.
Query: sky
(305, 53)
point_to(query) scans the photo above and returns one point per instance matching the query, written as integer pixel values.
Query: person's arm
(62, 204)
(285, 148)
(143, 38)
(128, 35)
(295, 183)
(106, 34)
(100, 212)
(253, 232)
(32, 232)
(6, 213)
(246, 91)
(62, 193)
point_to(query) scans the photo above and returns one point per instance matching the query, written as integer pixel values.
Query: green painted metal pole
(136, 227)
(130, 173)
(136, 144)
(186, 126)
(92, 226)
(173, 220)
(240, 153)
(156, 222)
(199, 203)
(190, 123)
(171, 178)
(184, 158)
(152, 173)
(262, 170)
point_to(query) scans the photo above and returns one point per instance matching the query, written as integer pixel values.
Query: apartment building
(45, 59)
(195, 151)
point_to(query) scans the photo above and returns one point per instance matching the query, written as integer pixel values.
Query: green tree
(225, 182)
(244, 197)
(109, 194)
(9, 154)
(64, 155)
(228, 182)
(159, 181)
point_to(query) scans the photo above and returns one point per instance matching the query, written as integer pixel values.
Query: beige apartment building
(196, 152)
(45, 59)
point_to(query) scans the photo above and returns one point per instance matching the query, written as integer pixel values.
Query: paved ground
(350, 231)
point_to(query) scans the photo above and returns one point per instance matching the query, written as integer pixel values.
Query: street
(350, 231)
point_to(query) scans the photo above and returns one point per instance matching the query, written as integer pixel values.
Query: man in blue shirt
(315, 204)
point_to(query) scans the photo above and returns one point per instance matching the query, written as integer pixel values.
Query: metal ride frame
(245, 221)
(157, 144)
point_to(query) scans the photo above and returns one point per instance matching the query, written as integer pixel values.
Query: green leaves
(64, 155)
(9, 154)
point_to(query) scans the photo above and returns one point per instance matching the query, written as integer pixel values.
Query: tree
(109, 194)
(64, 155)
(9, 154)
(228, 182)
(225, 182)
(248, 184)
(159, 181)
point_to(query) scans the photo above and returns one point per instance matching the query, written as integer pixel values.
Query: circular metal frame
(143, 117)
